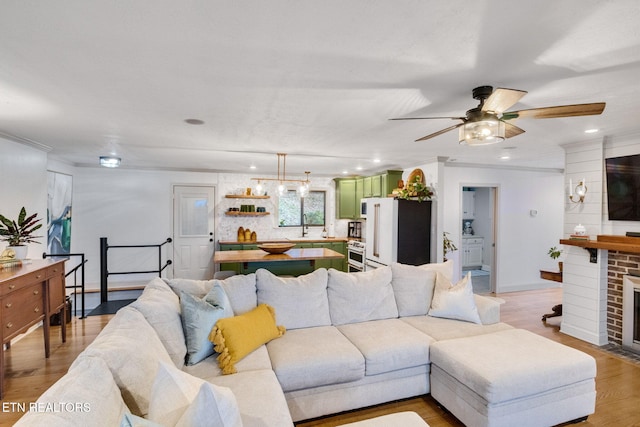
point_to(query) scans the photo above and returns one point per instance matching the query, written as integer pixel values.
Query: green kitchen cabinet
(346, 205)
(338, 264)
(367, 191)
(376, 186)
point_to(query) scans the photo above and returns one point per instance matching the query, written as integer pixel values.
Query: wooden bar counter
(258, 255)
(30, 294)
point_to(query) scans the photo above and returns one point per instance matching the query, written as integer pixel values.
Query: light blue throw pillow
(199, 315)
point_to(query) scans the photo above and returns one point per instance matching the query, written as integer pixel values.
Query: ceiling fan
(488, 123)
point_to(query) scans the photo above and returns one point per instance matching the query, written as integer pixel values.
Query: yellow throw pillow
(235, 337)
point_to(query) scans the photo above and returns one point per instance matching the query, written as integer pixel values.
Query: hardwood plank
(617, 381)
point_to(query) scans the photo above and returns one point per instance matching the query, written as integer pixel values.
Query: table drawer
(21, 308)
(23, 282)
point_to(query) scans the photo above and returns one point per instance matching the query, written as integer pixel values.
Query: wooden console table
(556, 276)
(28, 295)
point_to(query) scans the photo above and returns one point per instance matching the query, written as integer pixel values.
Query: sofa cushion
(241, 290)
(362, 296)
(208, 368)
(199, 316)
(90, 387)
(235, 337)
(259, 396)
(388, 345)
(312, 357)
(132, 350)
(300, 302)
(178, 398)
(413, 288)
(161, 307)
(454, 302)
(197, 288)
(446, 329)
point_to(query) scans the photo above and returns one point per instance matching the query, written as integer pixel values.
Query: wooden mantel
(608, 242)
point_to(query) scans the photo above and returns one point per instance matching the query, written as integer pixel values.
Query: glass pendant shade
(482, 132)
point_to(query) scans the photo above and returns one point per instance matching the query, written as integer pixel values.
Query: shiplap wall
(584, 299)
(585, 283)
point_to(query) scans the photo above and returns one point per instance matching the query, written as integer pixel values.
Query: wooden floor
(617, 382)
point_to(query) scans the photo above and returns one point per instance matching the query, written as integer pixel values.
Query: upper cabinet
(349, 191)
(346, 204)
(468, 204)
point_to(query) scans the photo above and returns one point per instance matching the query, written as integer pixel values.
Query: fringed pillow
(235, 337)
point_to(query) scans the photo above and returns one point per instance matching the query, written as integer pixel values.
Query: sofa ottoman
(512, 377)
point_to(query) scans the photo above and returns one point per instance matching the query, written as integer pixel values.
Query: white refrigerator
(397, 231)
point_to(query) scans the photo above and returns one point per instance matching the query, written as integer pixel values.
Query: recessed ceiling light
(594, 130)
(359, 168)
(110, 161)
(194, 121)
(505, 157)
(252, 167)
(345, 172)
(376, 160)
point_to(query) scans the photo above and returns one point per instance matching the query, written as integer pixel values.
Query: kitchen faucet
(304, 225)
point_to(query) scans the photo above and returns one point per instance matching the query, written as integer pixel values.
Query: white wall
(132, 207)
(522, 241)
(23, 178)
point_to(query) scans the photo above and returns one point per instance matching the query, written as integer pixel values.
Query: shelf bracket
(593, 255)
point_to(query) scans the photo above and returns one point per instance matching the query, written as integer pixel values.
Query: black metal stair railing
(75, 286)
(105, 273)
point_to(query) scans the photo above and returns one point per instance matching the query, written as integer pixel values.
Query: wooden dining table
(258, 255)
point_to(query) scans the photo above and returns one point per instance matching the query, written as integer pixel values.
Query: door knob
(211, 233)
(211, 240)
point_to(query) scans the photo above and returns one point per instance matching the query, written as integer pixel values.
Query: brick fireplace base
(620, 264)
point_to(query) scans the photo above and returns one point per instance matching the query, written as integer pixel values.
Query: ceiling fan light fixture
(482, 132)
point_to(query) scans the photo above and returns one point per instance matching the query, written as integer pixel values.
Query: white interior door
(193, 232)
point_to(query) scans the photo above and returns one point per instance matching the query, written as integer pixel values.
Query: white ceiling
(315, 79)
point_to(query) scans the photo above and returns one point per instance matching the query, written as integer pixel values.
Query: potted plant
(555, 253)
(415, 188)
(447, 244)
(19, 233)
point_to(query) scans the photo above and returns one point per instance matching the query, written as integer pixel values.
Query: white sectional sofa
(352, 340)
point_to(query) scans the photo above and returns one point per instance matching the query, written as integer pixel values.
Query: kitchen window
(292, 209)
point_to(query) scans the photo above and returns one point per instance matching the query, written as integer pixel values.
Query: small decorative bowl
(276, 248)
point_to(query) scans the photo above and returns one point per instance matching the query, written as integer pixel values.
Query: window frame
(302, 208)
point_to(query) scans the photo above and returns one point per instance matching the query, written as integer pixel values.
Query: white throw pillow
(299, 302)
(454, 302)
(362, 296)
(178, 398)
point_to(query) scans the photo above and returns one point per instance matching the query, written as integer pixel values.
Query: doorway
(193, 231)
(478, 230)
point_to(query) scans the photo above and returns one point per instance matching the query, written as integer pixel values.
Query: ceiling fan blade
(440, 132)
(501, 99)
(558, 111)
(511, 130)
(428, 118)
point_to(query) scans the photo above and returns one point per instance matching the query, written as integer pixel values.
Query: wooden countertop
(608, 242)
(258, 255)
(285, 240)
